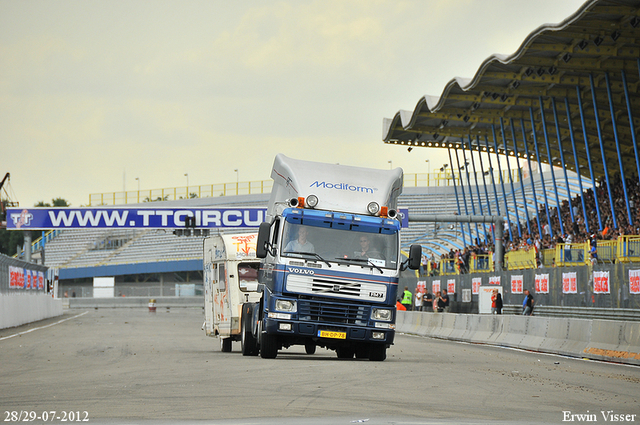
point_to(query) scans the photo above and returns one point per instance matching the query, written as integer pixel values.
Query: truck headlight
(373, 208)
(286, 305)
(381, 314)
(312, 201)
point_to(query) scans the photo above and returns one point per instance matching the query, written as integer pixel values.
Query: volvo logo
(336, 288)
(301, 271)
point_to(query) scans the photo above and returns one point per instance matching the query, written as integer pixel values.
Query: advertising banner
(516, 284)
(451, 286)
(541, 285)
(601, 282)
(20, 278)
(131, 218)
(140, 218)
(435, 286)
(475, 285)
(570, 283)
(494, 280)
(634, 281)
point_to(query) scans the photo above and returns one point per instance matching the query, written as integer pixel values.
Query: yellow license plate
(332, 334)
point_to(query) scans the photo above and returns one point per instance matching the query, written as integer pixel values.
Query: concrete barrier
(556, 336)
(535, 333)
(16, 310)
(578, 336)
(609, 340)
(614, 341)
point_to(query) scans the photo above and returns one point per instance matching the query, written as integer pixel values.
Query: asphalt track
(133, 366)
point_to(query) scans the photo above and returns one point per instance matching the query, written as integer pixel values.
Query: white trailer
(230, 280)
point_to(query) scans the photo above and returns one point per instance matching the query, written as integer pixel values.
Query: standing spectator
(445, 300)
(494, 298)
(417, 301)
(527, 304)
(407, 298)
(427, 301)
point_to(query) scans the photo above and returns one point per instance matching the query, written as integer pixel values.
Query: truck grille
(316, 311)
(336, 288)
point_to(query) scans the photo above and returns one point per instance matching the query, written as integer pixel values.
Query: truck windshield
(342, 246)
(248, 276)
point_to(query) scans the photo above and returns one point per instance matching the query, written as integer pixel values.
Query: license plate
(332, 334)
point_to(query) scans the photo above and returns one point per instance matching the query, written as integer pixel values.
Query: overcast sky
(94, 94)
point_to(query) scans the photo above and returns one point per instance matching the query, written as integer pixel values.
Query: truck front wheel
(268, 346)
(377, 352)
(310, 347)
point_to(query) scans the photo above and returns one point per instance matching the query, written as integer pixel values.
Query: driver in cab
(301, 244)
(366, 250)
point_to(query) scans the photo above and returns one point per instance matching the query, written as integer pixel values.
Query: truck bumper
(337, 334)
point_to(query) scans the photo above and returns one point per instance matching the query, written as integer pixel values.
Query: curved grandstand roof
(557, 65)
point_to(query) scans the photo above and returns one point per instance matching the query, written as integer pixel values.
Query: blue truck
(330, 262)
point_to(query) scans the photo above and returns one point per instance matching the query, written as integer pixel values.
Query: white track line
(42, 327)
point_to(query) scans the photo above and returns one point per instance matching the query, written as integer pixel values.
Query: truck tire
(310, 347)
(377, 352)
(268, 346)
(225, 345)
(345, 352)
(362, 352)
(248, 342)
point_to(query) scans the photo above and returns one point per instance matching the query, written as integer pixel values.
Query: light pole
(390, 165)
(187, 176)
(428, 171)
(235, 170)
(138, 180)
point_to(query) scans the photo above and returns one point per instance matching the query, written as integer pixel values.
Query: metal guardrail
(620, 314)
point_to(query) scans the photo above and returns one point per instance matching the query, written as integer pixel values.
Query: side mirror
(415, 257)
(263, 240)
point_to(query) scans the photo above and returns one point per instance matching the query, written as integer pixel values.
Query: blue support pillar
(617, 139)
(466, 210)
(504, 195)
(466, 168)
(524, 198)
(544, 189)
(513, 192)
(553, 176)
(586, 147)
(533, 183)
(493, 180)
(577, 164)
(631, 124)
(464, 239)
(484, 182)
(564, 165)
(604, 158)
(475, 174)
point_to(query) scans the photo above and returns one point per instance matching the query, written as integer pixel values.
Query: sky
(102, 96)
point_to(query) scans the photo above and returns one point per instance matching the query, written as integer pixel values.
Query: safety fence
(609, 340)
(602, 285)
(625, 249)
